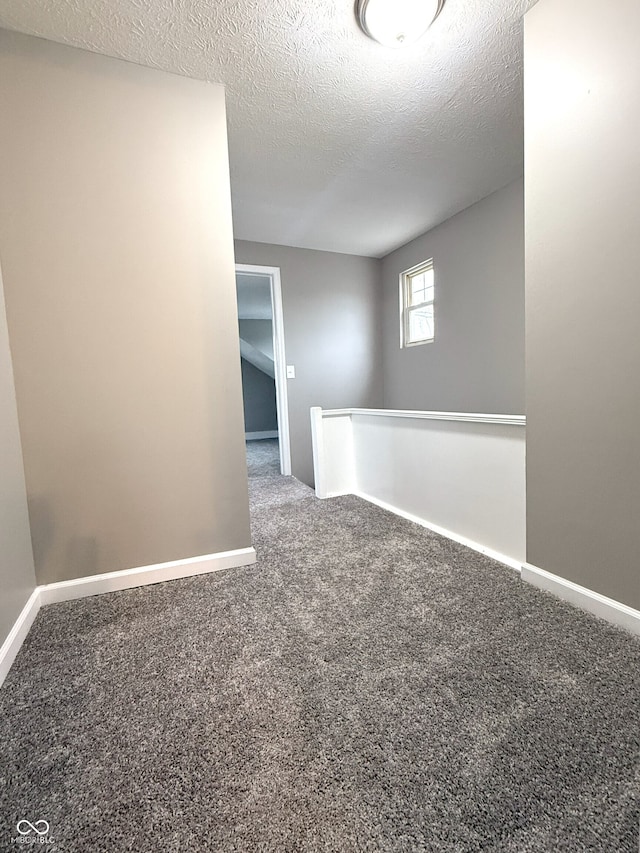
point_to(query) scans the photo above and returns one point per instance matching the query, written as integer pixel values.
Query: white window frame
(406, 307)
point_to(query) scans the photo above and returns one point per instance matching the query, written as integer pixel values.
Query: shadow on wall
(259, 397)
(42, 528)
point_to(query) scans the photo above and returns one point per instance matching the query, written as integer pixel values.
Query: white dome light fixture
(396, 23)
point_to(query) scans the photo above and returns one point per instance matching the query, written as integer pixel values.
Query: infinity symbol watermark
(40, 827)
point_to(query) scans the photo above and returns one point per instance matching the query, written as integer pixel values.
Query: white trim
(17, 634)
(450, 534)
(143, 575)
(319, 456)
(280, 364)
(464, 417)
(257, 436)
(279, 358)
(606, 608)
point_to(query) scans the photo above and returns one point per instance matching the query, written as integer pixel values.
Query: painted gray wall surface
(258, 333)
(259, 396)
(331, 307)
(17, 575)
(117, 252)
(476, 362)
(582, 108)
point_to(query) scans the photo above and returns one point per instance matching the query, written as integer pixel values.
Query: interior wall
(258, 333)
(582, 119)
(476, 362)
(17, 575)
(259, 396)
(116, 241)
(331, 308)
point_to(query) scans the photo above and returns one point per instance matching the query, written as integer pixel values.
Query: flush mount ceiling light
(396, 23)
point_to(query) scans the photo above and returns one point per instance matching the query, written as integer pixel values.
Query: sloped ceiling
(335, 142)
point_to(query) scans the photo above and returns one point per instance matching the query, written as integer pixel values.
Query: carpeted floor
(367, 686)
(263, 458)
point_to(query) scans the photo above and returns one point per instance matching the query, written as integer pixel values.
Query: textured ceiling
(335, 142)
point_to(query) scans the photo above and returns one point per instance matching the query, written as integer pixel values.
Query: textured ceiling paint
(336, 143)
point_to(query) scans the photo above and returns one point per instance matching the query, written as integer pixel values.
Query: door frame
(279, 359)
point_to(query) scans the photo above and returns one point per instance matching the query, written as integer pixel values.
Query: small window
(417, 287)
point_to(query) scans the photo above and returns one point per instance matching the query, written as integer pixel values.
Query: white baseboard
(17, 634)
(128, 578)
(606, 608)
(511, 562)
(53, 593)
(257, 436)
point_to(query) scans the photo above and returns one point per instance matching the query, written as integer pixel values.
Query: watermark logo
(32, 833)
(40, 827)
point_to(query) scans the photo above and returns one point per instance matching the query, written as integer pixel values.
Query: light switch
(291, 371)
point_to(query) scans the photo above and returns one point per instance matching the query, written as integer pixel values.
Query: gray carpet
(263, 458)
(368, 686)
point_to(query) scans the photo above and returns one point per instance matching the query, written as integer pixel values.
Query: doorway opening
(262, 351)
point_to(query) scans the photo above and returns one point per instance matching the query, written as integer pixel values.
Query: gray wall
(476, 362)
(117, 256)
(17, 576)
(258, 333)
(259, 396)
(331, 306)
(582, 107)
